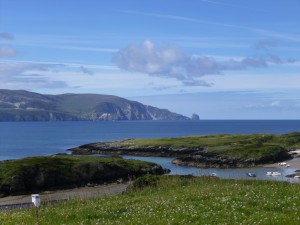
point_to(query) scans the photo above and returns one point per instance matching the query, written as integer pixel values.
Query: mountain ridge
(22, 105)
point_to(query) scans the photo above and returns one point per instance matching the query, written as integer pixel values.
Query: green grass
(178, 200)
(52, 172)
(245, 146)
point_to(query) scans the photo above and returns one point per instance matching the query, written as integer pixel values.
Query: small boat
(298, 177)
(251, 175)
(273, 174)
(276, 174)
(213, 175)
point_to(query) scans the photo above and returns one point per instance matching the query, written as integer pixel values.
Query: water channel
(238, 173)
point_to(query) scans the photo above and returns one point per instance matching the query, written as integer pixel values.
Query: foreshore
(293, 163)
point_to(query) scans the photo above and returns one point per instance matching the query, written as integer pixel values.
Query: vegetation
(177, 200)
(53, 172)
(254, 146)
(29, 106)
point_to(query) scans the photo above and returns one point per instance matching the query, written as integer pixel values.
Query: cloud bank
(171, 62)
(16, 75)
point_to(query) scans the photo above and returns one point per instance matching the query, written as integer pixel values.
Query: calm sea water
(22, 139)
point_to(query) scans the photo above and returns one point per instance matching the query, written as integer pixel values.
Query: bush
(144, 181)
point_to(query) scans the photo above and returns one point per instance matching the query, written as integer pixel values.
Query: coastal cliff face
(29, 106)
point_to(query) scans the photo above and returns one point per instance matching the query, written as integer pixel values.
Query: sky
(221, 59)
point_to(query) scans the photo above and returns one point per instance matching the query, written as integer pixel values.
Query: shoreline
(50, 197)
(294, 163)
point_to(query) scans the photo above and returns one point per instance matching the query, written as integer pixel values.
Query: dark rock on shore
(187, 156)
(212, 160)
(117, 148)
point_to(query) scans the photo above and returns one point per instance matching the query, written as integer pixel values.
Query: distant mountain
(23, 105)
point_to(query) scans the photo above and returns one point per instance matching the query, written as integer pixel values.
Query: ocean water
(22, 139)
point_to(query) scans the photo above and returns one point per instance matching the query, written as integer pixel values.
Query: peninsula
(210, 151)
(36, 174)
(20, 105)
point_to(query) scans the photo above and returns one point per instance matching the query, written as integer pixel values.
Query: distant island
(21, 105)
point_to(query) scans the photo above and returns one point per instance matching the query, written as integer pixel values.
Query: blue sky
(221, 59)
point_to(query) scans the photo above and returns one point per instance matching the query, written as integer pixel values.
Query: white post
(36, 200)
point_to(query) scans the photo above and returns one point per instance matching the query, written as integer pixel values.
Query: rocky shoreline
(197, 157)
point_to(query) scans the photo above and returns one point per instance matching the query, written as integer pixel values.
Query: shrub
(144, 181)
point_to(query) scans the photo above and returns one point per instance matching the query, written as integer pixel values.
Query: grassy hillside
(253, 146)
(29, 106)
(53, 172)
(222, 150)
(178, 200)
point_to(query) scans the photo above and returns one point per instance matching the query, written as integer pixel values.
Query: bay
(23, 139)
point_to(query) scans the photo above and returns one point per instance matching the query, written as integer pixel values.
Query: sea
(24, 139)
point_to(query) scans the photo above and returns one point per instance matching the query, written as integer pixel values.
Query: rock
(195, 117)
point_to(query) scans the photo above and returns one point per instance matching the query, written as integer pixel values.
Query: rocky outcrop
(195, 117)
(117, 148)
(29, 106)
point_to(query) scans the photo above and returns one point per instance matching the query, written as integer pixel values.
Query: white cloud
(171, 62)
(275, 104)
(27, 75)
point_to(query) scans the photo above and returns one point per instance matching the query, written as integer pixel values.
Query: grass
(178, 200)
(255, 146)
(52, 172)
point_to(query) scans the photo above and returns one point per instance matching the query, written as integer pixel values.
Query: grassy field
(245, 146)
(177, 200)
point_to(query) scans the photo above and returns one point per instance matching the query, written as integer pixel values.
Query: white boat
(298, 177)
(273, 174)
(276, 174)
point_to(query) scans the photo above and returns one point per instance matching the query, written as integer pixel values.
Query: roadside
(24, 201)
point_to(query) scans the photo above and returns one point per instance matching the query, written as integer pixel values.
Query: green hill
(28, 106)
(36, 174)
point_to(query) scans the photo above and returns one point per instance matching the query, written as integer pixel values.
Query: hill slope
(28, 106)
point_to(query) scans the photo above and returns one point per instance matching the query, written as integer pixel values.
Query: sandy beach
(294, 163)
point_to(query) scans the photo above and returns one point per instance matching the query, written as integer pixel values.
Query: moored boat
(251, 175)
